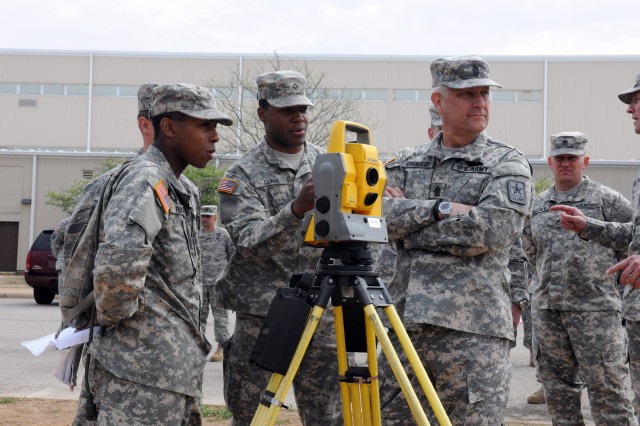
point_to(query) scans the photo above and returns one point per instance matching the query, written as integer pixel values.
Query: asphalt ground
(522, 385)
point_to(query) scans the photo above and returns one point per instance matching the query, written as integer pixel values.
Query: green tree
(237, 98)
(542, 184)
(205, 179)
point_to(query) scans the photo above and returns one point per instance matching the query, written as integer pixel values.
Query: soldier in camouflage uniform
(385, 254)
(459, 202)
(619, 235)
(147, 360)
(263, 198)
(576, 312)
(217, 251)
(74, 224)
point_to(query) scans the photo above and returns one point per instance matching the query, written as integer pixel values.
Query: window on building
(375, 95)
(105, 90)
(411, 95)
(53, 89)
(128, 90)
(77, 90)
(250, 93)
(503, 95)
(8, 88)
(29, 89)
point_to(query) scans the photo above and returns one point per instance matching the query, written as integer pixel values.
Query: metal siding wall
(619, 178)
(56, 121)
(115, 124)
(138, 70)
(518, 124)
(69, 69)
(16, 179)
(583, 97)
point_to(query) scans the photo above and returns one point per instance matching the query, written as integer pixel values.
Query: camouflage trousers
(577, 347)
(471, 374)
(633, 332)
(316, 387)
(121, 402)
(527, 336)
(220, 315)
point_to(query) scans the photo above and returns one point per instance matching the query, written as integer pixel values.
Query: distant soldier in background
(576, 309)
(217, 251)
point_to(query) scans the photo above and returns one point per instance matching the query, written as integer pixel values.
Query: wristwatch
(523, 304)
(444, 210)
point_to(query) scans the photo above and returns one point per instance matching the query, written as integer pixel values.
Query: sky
(325, 27)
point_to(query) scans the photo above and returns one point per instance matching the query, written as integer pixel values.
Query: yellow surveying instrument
(349, 182)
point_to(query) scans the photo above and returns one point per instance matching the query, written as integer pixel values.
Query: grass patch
(215, 413)
(7, 400)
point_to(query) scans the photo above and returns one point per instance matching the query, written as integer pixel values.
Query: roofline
(86, 154)
(341, 57)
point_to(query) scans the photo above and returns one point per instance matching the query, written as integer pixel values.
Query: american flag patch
(163, 196)
(227, 186)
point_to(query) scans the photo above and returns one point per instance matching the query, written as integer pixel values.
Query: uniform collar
(472, 153)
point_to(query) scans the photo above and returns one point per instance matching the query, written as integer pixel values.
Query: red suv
(40, 272)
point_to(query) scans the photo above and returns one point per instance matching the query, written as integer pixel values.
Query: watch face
(445, 207)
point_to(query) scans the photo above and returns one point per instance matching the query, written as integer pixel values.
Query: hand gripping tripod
(345, 277)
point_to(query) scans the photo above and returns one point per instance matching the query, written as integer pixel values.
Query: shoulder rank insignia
(227, 185)
(163, 196)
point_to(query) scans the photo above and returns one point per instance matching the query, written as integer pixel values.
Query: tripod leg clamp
(269, 399)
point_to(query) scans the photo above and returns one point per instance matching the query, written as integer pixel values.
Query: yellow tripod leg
(373, 395)
(266, 416)
(417, 366)
(341, 345)
(396, 366)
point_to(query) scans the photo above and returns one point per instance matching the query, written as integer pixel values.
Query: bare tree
(237, 98)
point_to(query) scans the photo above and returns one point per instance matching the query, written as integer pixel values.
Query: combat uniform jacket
(217, 250)
(456, 268)
(571, 269)
(255, 206)
(147, 279)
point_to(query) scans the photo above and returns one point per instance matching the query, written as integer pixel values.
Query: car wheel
(43, 296)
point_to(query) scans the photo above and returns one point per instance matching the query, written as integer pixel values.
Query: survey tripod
(344, 276)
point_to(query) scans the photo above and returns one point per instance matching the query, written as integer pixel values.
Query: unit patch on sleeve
(517, 192)
(227, 185)
(163, 196)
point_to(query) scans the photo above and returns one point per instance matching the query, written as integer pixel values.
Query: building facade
(64, 112)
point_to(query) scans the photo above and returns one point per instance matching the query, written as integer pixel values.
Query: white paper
(67, 338)
(70, 337)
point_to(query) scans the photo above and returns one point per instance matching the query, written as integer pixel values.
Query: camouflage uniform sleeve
(231, 249)
(616, 232)
(131, 220)
(404, 215)
(518, 268)
(491, 225)
(57, 237)
(249, 222)
(529, 247)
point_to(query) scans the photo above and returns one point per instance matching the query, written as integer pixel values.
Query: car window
(43, 242)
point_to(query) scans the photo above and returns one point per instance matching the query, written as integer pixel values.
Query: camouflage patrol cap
(208, 210)
(189, 99)
(436, 120)
(144, 96)
(572, 143)
(283, 89)
(461, 72)
(628, 94)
